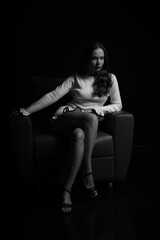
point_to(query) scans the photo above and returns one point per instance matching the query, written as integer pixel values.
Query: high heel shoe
(66, 208)
(92, 191)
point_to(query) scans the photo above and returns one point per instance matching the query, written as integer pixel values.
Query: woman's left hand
(98, 111)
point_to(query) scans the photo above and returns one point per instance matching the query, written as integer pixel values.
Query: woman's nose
(98, 61)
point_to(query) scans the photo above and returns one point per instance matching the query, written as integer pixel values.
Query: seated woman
(90, 88)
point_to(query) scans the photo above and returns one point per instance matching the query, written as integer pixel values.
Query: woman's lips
(97, 67)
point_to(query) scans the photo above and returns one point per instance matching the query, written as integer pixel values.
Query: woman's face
(97, 60)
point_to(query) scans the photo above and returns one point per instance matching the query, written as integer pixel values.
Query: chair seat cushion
(48, 147)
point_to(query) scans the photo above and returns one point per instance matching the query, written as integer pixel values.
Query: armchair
(41, 154)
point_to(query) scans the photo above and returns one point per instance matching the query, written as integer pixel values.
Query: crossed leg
(82, 129)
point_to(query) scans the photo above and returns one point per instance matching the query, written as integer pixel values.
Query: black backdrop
(41, 38)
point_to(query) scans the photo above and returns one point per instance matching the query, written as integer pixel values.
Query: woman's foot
(89, 185)
(66, 206)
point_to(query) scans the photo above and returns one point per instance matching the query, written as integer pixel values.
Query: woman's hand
(15, 113)
(19, 112)
(24, 112)
(98, 111)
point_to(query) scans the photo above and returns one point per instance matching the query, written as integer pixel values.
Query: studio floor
(129, 210)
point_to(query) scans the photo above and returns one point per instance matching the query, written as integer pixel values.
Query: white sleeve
(50, 97)
(115, 98)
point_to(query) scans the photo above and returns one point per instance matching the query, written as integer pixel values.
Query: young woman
(90, 88)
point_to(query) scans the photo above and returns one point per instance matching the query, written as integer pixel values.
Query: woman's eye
(96, 59)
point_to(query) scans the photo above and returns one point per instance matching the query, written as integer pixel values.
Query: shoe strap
(65, 189)
(87, 174)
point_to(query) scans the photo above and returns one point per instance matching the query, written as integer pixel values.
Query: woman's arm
(50, 97)
(115, 99)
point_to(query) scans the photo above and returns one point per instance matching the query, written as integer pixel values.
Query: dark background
(41, 38)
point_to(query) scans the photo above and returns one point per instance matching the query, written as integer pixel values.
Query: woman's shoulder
(75, 77)
(79, 76)
(70, 78)
(113, 77)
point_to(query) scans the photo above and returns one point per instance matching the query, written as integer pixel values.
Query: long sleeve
(115, 100)
(50, 97)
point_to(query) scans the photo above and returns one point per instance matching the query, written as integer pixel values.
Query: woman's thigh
(71, 120)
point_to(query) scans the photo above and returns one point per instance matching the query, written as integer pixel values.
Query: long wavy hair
(103, 81)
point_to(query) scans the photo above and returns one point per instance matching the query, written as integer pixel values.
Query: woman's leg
(75, 160)
(89, 123)
(75, 156)
(91, 127)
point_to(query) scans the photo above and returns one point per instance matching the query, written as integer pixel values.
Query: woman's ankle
(88, 180)
(66, 196)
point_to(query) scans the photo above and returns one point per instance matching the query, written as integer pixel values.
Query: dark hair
(103, 80)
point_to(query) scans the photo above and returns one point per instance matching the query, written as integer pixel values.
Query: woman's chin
(97, 70)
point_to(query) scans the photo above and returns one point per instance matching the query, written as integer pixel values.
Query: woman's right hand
(16, 113)
(24, 112)
(19, 112)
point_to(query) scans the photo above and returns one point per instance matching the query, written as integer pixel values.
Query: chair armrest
(22, 146)
(121, 126)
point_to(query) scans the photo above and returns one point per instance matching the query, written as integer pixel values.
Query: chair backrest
(41, 86)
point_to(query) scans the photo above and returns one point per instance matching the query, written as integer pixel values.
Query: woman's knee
(91, 120)
(78, 135)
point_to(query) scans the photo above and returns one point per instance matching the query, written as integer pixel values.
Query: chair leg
(111, 188)
(111, 185)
